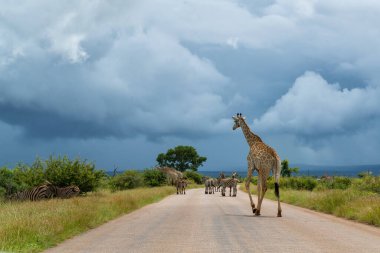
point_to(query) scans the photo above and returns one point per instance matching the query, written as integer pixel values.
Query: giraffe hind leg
(247, 187)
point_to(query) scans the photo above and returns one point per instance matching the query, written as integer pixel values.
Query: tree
(286, 171)
(181, 158)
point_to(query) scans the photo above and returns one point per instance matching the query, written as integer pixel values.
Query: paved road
(196, 222)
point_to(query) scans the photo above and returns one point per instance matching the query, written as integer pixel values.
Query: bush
(7, 183)
(296, 183)
(368, 183)
(154, 177)
(196, 177)
(341, 183)
(254, 180)
(25, 176)
(128, 180)
(2, 193)
(59, 171)
(63, 172)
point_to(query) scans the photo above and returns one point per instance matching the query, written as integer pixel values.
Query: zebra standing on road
(209, 186)
(216, 184)
(231, 183)
(181, 186)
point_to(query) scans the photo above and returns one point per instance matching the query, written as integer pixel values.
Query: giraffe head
(237, 119)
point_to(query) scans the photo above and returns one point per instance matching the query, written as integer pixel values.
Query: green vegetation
(193, 176)
(34, 226)
(351, 198)
(60, 171)
(286, 171)
(129, 179)
(181, 158)
(153, 177)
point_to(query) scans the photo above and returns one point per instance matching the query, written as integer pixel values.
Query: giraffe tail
(277, 190)
(277, 178)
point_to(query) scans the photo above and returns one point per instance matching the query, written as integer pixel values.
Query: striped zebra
(231, 183)
(65, 192)
(209, 186)
(181, 186)
(37, 193)
(218, 182)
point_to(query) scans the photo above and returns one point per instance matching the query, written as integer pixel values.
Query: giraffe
(262, 158)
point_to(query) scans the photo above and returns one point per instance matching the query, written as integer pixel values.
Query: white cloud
(314, 107)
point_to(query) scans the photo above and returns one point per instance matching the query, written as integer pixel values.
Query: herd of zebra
(45, 191)
(213, 185)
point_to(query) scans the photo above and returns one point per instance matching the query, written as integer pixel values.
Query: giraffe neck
(249, 136)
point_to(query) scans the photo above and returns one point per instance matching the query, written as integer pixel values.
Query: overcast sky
(117, 82)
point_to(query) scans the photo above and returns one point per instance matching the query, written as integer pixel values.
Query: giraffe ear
(244, 118)
(234, 117)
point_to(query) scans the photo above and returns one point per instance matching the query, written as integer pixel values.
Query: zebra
(209, 186)
(181, 186)
(37, 193)
(217, 182)
(65, 192)
(231, 183)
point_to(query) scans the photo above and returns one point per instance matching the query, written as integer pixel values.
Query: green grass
(362, 206)
(35, 226)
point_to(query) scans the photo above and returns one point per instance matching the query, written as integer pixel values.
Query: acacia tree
(286, 171)
(181, 158)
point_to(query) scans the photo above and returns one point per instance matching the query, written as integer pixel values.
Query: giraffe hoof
(257, 213)
(279, 214)
(254, 210)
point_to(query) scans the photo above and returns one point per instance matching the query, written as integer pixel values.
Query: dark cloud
(84, 71)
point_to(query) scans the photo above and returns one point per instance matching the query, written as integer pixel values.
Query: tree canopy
(286, 171)
(181, 158)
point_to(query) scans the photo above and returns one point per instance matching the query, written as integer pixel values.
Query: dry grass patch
(352, 204)
(34, 226)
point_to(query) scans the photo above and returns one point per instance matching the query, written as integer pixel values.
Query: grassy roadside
(351, 204)
(35, 226)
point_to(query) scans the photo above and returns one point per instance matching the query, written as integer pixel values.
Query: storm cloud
(158, 73)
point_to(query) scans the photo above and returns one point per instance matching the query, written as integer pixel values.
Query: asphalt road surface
(196, 222)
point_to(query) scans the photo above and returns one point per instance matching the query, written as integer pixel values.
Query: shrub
(368, 183)
(62, 171)
(128, 180)
(154, 177)
(20, 178)
(192, 175)
(296, 183)
(2, 193)
(335, 183)
(254, 180)
(7, 183)
(25, 176)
